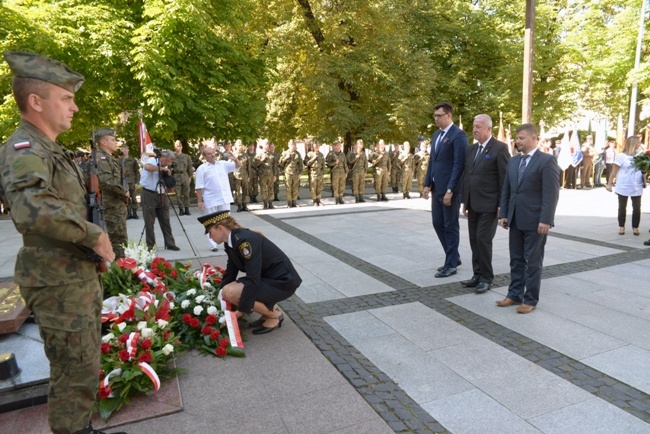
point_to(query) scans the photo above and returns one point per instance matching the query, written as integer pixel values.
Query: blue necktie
(522, 168)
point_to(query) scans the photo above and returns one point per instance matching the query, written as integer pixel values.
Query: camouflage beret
(30, 65)
(104, 131)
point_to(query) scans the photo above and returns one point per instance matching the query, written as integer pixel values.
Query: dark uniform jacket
(264, 264)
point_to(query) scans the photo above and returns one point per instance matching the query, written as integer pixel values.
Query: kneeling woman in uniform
(270, 276)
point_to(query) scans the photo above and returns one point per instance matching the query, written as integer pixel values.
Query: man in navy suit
(485, 170)
(445, 179)
(528, 201)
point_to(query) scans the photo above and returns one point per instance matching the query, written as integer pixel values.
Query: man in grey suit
(528, 201)
(445, 179)
(485, 169)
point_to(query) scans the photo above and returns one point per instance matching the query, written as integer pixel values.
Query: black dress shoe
(459, 264)
(257, 323)
(482, 287)
(646, 243)
(471, 283)
(175, 248)
(263, 330)
(446, 272)
(214, 249)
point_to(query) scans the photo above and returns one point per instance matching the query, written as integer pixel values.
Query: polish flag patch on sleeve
(21, 145)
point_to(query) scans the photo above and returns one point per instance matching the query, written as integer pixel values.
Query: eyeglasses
(440, 115)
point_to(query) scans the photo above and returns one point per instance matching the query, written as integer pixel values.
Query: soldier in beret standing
(57, 275)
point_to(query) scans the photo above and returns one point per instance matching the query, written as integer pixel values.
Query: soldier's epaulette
(22, 145)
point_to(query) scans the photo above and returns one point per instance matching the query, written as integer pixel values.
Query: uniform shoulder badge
(246, 250)
(22, 145)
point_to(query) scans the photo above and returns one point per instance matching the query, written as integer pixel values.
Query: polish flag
(146, 145)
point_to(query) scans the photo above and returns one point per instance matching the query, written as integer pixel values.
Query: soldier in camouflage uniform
(315, 162)
(58, 280)
(358, 162)
(114, 195)
(338, 171)
(407, 167)
(421, 163)
(276, 184)
(182, 170)
(242, 177)
(292, 163)
(395, 168)
(132, 172)
(267, 169)
(253, 185)
(381, 162)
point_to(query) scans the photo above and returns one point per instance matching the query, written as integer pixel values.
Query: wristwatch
(449, 191)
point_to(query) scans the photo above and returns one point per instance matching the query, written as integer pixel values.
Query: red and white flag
(146, 145)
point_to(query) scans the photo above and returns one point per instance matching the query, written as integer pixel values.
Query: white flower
(168, 349)
(141, 325)
(212, 310)
(108, 337)
(198, 310)
(162, 323)
(199, 299)
(147, 333)
(185, 304)
(121, 326)
(222, 319)
(190, 292)
(171, 305)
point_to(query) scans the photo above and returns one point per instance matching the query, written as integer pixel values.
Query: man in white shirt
(213, 191)
(155, 202)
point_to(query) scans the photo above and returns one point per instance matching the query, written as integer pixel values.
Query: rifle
(125, 184)
(95, 204)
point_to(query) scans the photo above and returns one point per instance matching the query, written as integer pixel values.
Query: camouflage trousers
(420, 175)
(115, 218)
(395, 177)
(358, 182)
(338, 183)
(292, 182)
(182, 190)
(407, 181)
(266, 186)
(316, 186)
(253, 186)
(69, 319)
(381, 180)
(241, 191)
(276, 186)
(133, 203)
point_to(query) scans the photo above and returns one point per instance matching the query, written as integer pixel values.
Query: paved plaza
(374, 343)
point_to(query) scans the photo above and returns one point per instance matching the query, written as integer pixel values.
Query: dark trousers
(482, 227)
(156, 206)
(446, 225)
(570, 177)
(526, 257)
(622, 210)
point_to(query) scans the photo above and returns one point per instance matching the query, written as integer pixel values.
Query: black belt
(150, 191)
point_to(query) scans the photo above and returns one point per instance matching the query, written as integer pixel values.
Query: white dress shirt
(212, 179)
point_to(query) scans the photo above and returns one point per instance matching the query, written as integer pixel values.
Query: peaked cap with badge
(211, 219)
(30, 65)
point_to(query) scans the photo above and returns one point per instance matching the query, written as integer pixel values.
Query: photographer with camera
(156, 179)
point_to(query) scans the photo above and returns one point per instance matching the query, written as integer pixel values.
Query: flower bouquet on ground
(204, 322)
(136, 353)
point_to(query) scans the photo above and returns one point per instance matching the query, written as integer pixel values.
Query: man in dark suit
(445, 178)
(528, 201)
(485, 170)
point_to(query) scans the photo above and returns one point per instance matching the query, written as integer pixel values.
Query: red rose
(145, 357)
(221, 352)
(217, 280)
(168, 264)
(195, 323)
(224, 342)
(211, 319)
(163, 274)
(106, 348)
(206, 330)
(186, 318)
(157, 260)
(146, 344)
(101, 373)
(166, 334)
(124, 355)
(105, 392)
(127, 263)
(173, 274)
(124, 338)
(215, 335)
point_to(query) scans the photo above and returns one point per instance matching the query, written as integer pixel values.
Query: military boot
(315, 202)
(135, 214)
(129, 214)
(383, 197)
(271, 205)
(356, 198)
(341, 200)
(294, 204)
(266, 204)
(361, 199)
(275, 197)
(244, 207)
(403, 195)
(408, 194)
(378, 197)
(180, 211)
(395, 190)
(239, 208)
(187, 211)
(254, 199)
